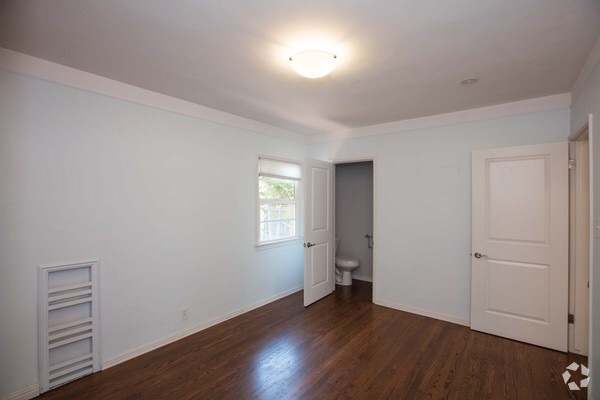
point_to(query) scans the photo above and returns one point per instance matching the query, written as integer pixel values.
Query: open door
(519, 270)
(319, 245)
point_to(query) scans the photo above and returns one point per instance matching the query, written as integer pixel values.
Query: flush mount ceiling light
(313, 63)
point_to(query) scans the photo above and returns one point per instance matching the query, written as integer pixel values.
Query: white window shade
(279, 169)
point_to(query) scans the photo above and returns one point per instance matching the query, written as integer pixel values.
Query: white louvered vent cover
(68, 322)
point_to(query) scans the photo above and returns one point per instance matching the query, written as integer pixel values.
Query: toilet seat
(346, 261)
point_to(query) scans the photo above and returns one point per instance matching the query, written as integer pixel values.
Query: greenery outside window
(278, 204)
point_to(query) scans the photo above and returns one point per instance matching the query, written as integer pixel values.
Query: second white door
(519, 279)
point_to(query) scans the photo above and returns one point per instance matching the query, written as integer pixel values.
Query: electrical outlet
(185, 313)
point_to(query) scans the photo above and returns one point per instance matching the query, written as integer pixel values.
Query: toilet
(344, 265)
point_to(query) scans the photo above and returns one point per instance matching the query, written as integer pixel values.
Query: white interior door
(519, 270)
(319, 243)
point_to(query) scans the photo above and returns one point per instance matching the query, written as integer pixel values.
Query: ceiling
(397, 59)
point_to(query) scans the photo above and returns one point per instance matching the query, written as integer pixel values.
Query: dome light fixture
(313, 63)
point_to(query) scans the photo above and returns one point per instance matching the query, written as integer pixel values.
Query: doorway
(354, 215)
(579, 240)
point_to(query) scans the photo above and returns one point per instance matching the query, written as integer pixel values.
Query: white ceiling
(397, 59)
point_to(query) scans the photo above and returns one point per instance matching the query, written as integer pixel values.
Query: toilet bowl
(344, 265)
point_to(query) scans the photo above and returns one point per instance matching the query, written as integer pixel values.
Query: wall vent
(68, 321)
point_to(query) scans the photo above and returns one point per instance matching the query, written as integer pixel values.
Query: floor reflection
(277, 367)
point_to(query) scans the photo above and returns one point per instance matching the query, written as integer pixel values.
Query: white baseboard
(34, 390)
(190, 331)
(24, 394)
(425, 313)
(362, 278)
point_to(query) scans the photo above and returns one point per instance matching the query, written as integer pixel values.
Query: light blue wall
(423, 204)
(167, 203)
(588, 102)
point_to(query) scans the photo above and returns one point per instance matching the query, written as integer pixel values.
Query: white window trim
(298, 239)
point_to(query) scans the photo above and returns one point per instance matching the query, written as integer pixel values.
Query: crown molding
(554, 102)
(27, 65)
(586, 70)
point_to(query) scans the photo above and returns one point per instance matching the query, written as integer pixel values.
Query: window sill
(281, 243)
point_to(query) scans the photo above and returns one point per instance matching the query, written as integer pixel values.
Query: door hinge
(572, 164)
(571, 319)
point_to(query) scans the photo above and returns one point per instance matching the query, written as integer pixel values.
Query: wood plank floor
(342, 347)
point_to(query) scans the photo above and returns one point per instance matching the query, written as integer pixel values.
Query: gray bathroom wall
(354, 214)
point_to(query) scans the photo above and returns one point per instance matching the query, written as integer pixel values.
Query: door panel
(528, 286)
(320, 257)
(320, 211)
(319, 230)
(518, 208)
(520, 243)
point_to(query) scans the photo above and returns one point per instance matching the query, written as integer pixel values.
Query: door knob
(309, 244)
(479, 255)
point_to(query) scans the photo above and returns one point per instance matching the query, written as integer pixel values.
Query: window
(278, 205)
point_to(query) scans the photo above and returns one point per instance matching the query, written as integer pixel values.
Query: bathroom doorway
(354, 215)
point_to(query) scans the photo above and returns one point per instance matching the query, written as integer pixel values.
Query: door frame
(373, 160)
(577, 294)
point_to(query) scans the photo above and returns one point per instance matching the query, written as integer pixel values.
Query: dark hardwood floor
(342, 347)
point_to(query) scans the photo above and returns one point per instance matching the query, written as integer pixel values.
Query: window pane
(271, 212)
(276, 189)
(277, 230)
